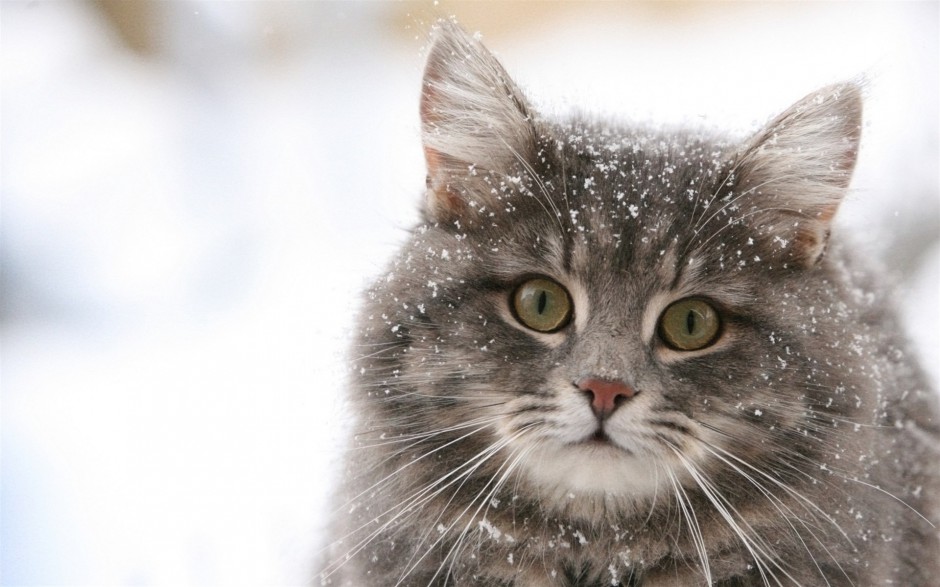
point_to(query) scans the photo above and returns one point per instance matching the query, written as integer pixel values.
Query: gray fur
(800, 449)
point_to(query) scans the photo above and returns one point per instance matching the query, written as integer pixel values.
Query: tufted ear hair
(794, 173)
(473, 119)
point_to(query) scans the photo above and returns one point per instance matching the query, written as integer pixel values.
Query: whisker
(759, 550)
(408, 503)
(486, 500)
(417, 438)
(534, 176)
(688, 513)
(491, 451)
(892, 496)
(778, 504)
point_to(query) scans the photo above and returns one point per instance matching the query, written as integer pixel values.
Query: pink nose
(606, 395)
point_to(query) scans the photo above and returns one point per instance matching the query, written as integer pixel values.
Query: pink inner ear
(812, 236)
(827, 213)
(443, 201)
(433, 159)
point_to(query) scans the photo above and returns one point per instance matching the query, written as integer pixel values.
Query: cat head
(598, 310)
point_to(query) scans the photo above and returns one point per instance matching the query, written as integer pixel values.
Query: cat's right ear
(474, 122)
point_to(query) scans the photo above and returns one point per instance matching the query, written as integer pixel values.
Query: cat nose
(606, 395)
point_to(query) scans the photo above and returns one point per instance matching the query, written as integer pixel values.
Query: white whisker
(696, 532)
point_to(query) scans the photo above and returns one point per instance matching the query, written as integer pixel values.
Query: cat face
(606, 314)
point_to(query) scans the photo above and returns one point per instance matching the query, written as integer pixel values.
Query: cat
(613, 355)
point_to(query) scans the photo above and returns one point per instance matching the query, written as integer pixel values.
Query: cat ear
(473, 120)
(798, 169)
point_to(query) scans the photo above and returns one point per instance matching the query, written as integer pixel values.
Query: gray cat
(617, 356)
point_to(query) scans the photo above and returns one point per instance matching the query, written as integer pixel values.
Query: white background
(185, 229)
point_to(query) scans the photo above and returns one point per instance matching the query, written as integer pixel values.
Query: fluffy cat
(618, 356)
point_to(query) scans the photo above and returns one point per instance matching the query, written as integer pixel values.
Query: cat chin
(594, 472)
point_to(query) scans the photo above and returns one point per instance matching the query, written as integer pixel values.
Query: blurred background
(193, 193)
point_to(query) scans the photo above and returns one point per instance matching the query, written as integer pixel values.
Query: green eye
(689, 325)
(541, 304)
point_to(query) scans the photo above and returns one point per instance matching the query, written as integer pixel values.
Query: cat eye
(689, 325)
(541, 304)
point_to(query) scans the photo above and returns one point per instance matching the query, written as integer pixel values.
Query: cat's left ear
(795, 172)
(474, 120)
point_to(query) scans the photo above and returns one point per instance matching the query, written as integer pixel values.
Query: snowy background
(193, 193)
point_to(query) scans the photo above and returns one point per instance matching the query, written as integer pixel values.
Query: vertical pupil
(543, 301)
(690, 322)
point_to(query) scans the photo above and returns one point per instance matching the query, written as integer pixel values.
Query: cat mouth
(600, 439)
